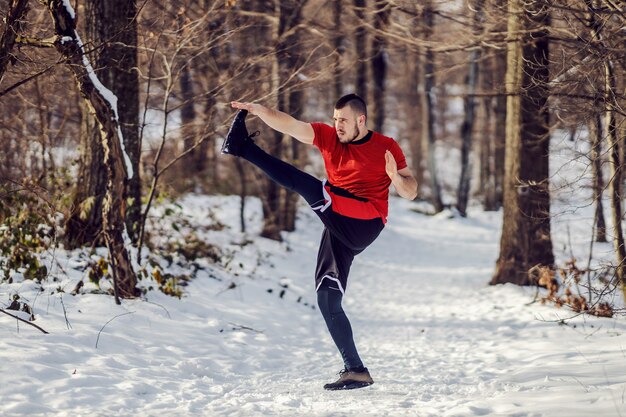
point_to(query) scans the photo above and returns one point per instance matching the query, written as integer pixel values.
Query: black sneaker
(351, 379)
(237, 136)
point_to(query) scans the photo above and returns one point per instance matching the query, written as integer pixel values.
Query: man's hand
(278, 120)
(252, 108)
(403, 180)
(390, 165)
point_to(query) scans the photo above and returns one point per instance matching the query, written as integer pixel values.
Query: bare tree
(614, 143)
(379, 64)
(595, 129)
(428, 108)
(117, 162)
(338, 49)
(17, 11)
(360, 48)
(469, 104)
(111, 30)
(526, 242)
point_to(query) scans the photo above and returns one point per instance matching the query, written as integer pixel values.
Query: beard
(354, 136)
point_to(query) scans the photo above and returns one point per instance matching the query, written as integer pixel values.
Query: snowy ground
(438, 340)
(246, 339)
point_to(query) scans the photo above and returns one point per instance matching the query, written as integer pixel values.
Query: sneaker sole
(241, 114)
(353, 385)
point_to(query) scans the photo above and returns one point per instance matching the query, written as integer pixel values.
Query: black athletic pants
(343, 238)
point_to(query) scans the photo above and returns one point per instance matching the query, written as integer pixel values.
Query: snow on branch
(104, 92)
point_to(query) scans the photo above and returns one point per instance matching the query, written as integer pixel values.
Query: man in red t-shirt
(352, 203)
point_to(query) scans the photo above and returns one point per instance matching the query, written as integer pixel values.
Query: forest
(114, 113)
(143, 272)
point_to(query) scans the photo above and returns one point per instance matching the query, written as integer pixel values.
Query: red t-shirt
(358, 167)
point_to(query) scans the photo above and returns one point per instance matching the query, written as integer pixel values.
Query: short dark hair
(353, 101)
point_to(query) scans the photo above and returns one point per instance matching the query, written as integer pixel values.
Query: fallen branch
(105, 325)
(25, 321)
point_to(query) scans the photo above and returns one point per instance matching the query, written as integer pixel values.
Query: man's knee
(329, 301)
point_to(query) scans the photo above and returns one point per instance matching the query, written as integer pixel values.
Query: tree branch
(22, 320)
(17, 11)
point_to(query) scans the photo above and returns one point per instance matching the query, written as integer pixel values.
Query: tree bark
(12, 25)
(360, 49)
(84, 224)
(595, 128)
(111, 30)
(339, 51)
(379, 66)
(499, 135)
(117, 162)
(414, 116)
(271, 199)
(188, 129)
(297, 158)
(615, 185)
(428, 111)
(467, 127)
(526, 242)
(124, 83)
(495, 108)
(614, 144)
(280, 207)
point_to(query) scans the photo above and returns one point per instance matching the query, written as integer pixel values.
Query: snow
(69, 8)
(438, 340)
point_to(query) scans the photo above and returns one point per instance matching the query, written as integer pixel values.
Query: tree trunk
(12, 27)
(360, 48)
(595, 128)
(495, 109)
(297, 158)
(467, 127)
(208, 151)
(188, 129)
(339, 50)
(428, 111)
(526, 242)
(112, 30)
(125, 85)
(115, 158)
(614, 146)
(499, 135)
(615, 185)
(379, 66)
(414, 116)
(279, 209)
(84, 225)
(271, 199)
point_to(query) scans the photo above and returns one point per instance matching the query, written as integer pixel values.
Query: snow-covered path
(437, 339)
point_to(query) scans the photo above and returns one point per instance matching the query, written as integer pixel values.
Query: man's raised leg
(239, 143)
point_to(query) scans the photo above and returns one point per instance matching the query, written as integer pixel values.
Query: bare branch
(24, 321)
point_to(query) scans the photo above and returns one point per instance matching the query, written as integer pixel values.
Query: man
(352, 204)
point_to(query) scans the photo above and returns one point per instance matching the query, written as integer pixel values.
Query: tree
(17, 11)
(117, 162)
(595, 129)
(615, 143)
(428, 112)
(526, 242)
(111, 29)
(338, 50)
(360, 49)
(379, 65)
(467, 128)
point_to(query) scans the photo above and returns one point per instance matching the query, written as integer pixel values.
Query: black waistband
(345, 193)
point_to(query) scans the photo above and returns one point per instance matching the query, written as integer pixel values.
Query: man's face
(347, 123)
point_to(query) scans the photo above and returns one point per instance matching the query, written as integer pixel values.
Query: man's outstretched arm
(280, 121)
